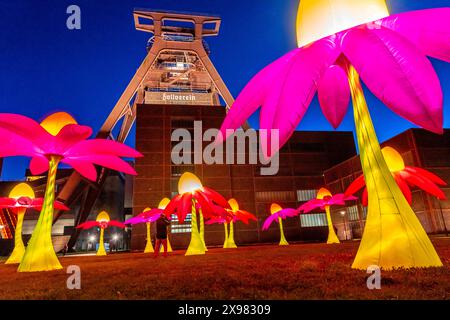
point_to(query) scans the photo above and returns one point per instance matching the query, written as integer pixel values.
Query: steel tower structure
(177, 62)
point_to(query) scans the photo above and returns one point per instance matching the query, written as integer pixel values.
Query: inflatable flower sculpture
(235, 214)
(57, 139)
(193, 197)
(339, 41)
(20, 199)
(148, 216)
(405, 176)
(324, 200)
(277, 213)
(103, 221)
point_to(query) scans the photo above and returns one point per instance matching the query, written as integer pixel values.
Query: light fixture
(92, 238)
(342, 213)
(115, 237)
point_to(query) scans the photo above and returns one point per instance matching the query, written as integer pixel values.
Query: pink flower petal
(428, 29)
(110, 162)
(24, 127)
(398, 74)
(292, 96)
(69, 136)
(101, 147)
(334, 95)
(85, 168)
(12, 144)
(38, 165)
(253, 95)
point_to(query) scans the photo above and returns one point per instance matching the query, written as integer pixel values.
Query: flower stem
(196, 246)
(148, 246)
(332, 237)
(230, 240)
(40, 254)
(226, 235)
(101, 243)
(283, 241)
(19, 248)
(393, 236)
(202, 228)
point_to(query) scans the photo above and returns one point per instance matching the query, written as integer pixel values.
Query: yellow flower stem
(19, 248)
(40, 254)
(101, 244)
(148, 246)
(332, 237)
(283, 241)
(202, 228)
(393, 236)
(196, 245)
(230, 240)
(226, 235)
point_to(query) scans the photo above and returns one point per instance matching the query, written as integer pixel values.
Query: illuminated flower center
(233, 204)
(393, 159)
(103, 217)
(24, 201)
(189, 183)
(56, 121)
(323, 194)
(275, 207)
(163, 203)
(317, 19)
(103, 224)
(22, 190)
(147, 209)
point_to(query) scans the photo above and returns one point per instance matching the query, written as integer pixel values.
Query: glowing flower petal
(403, 187)
(71, 135)
(398, 74)
(38, 165)
(253, 95)
(86, 169)
(334, 95)
(428, 29)
(427, 174)
(102, 147)
(292, 96)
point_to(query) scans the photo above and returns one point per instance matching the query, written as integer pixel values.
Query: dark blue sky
(46, 68)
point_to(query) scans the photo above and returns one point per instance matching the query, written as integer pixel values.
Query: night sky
(46, 68)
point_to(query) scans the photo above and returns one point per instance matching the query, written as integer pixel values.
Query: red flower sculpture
(405, 176)
(103, 221)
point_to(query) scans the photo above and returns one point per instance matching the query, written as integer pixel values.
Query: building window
(269, 196)
(353, 213)
(313, 220)
(364, 212)
(306, 195)
(177, 227)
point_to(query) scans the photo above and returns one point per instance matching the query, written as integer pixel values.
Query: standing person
(161, 234)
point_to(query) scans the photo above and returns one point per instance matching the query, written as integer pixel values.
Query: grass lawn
(299, 271)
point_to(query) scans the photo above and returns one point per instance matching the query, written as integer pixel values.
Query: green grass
(301, 271)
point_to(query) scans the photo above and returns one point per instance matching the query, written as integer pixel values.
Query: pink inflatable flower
(150, 215)
(57, 139)
(390, 56)
(59, 136)
(283, 214)
(329, 200)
